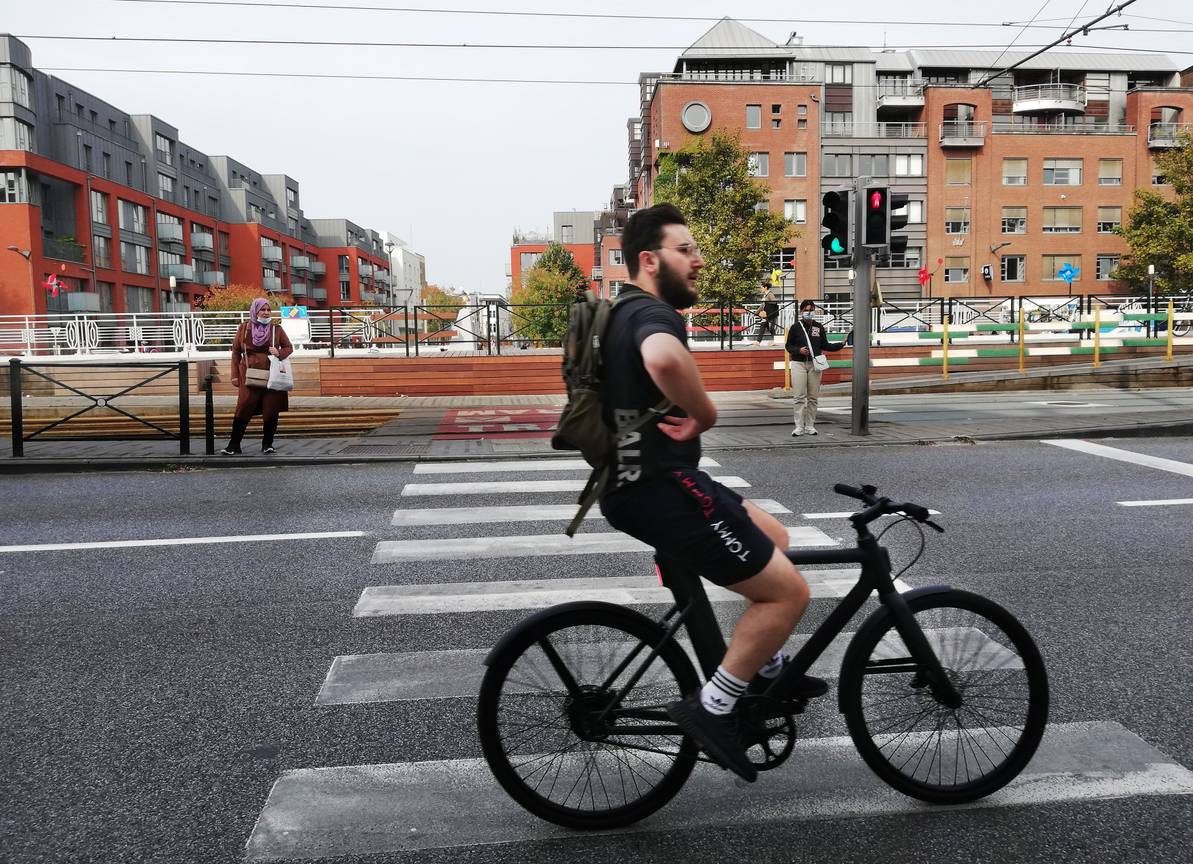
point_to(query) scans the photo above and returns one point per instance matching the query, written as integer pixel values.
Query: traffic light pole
(861, 315)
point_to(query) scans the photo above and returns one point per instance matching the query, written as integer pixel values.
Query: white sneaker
(809, 430)
(797, 431)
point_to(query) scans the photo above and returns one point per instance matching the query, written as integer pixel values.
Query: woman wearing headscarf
(255, 341)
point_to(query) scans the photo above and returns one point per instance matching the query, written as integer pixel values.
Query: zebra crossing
(323, 812)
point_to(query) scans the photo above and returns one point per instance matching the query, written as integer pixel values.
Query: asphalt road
(155, 694)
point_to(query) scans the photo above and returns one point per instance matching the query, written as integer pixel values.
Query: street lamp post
(1151, 288)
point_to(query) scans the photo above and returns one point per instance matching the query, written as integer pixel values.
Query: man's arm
(673, 369)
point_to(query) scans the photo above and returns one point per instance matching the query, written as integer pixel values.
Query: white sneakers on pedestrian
(797, 431)
(809, 430)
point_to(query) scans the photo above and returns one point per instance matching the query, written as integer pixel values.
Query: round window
(696, 116)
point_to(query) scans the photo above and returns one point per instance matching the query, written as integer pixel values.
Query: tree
(440, 307)
(709, 180)
(541, 304)
(557, 259)
(1160, 231)
(238, 297)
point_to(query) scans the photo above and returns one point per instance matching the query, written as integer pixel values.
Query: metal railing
(62, 250)
(1004, 127)
(875, 130)
(962, 130)
(1166, 134)
(1074, 93)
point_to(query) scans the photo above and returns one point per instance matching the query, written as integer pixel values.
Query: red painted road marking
(498, 422)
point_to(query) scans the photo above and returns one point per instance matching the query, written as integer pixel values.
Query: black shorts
(687, 516)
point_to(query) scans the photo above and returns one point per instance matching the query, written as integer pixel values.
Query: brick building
(118, 207)
(1019, 172)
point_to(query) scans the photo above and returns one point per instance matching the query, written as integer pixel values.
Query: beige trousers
(805, 383)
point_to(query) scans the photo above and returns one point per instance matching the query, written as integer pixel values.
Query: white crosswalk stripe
(329, 812)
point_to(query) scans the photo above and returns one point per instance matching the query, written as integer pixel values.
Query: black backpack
(581, 424)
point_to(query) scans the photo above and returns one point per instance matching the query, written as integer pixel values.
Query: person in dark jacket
(768, 315)
(806, 339)
(255, 341)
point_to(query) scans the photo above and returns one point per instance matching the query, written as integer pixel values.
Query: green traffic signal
(835, 219)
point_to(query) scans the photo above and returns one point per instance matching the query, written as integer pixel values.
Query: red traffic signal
(875, 199)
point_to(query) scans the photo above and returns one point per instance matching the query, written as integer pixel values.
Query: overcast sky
(456, 167)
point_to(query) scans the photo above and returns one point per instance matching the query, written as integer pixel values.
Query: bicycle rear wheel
(557, 737)
(922, 747)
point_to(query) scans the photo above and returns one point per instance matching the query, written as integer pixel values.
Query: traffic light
(877, 216)
(836, 220)
(897, 218)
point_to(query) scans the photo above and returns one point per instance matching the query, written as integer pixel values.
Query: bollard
(1022, 347)
(209, 415)
(1097, 337)
(184, 409)
(1168, 352)
(15, 415)
(944, 348)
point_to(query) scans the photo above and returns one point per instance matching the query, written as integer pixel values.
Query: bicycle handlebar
(882, 506)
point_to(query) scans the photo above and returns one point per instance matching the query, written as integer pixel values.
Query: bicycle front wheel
(922, 747)
(573, 721)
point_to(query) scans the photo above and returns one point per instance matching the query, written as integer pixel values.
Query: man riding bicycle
(658, 495)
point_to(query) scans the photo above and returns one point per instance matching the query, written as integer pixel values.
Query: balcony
(381, 277)
(203, 241)
(271, 253)
(272, 284)
(212, 277)
(300, 262)
(901, 94)
(169, 232)
(1048, 97)
(1035, 128)
(875, 130)
(365, 269)
(1163, 136)
(962, 133)
(176, 307)
(62, 249)
(319, 293)
(181, 272)
(318, 268)
(82, 301)
(298, 289)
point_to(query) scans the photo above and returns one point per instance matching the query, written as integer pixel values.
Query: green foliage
(1160, 231)
(709, 181)
(557, 259)
(541, 304)
(439, 309)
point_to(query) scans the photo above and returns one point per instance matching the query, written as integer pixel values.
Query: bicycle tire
(580, 633)
(878, 676)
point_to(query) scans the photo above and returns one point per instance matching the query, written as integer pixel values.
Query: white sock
(721, 692)
(772, 668)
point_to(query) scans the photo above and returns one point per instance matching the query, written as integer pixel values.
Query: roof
(1073, 61)
(728, 38)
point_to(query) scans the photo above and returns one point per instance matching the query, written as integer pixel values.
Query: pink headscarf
(260, 331)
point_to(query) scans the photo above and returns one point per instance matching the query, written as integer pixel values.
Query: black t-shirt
(627, 391)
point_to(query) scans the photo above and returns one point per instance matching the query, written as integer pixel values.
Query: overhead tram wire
(1022, 31)
(573, 15)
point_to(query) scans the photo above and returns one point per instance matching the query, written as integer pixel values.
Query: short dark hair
(807, 304)
(644, 231)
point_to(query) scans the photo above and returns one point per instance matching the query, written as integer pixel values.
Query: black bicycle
(943, 691)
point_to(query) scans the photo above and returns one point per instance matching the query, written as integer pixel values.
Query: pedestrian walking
(807, 341)
(768, 314)
(256, 341)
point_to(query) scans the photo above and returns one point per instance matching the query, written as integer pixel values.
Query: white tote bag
(281, 376)
(819, 361)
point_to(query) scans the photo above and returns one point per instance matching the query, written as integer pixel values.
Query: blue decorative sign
(293, 312)
(1068, 272)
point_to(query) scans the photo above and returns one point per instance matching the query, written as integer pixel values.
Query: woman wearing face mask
(255, 341)
(806, 339)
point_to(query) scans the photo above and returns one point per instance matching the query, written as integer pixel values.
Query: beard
(673, 289)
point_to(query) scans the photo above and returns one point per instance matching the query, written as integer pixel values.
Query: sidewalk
(464, 427)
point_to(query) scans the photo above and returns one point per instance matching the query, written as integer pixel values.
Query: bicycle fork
(920, 649)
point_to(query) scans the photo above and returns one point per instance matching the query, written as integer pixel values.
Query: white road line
(405, 677)
(514, 487)
(1125, 456)
(518, 465)
(844, 514)
(183, 541)
(526, 513)
(456, 598)
(413, 806)
(536, 545)
(1159, 503)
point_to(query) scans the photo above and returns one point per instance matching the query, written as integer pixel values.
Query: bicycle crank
(767, 731)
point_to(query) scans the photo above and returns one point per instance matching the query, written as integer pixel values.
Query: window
(128, 173)
(344, 262)
(101, 251)
(526, 261)
(14, 86)
(759, 164)
(1158, 178)
(795, 164)
(836, 165)
(958, 171)
(909, 165)
(1012, 268)
(1107, 264)
(873, 165)
(956, 220)
(1014, 220)
(776, 108)
(291, 197)
(15, 135)
(801, 123)
(165, 186)
(776, 123)
(761, 207)
(87, 162)
(164, 147)
(186, 196)
(915, 212)
(753, 116)
(1110, 172)
(1053, 264)
(107, 161)
(134, 258)
(1014, 172)
(345, 289)
(956, 269)
(839, 122)
(1062, 220)
(801, 110)
(1062, 172)
(12, 187)
(838, 73)
(1109, 218)
(99, 208)
(293, 225)
(796, 211)
(132, 217)
(137, 300)
(784, 259)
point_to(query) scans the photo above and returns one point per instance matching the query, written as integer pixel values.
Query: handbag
(819, 361)
(281, 376)
(258, 378)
